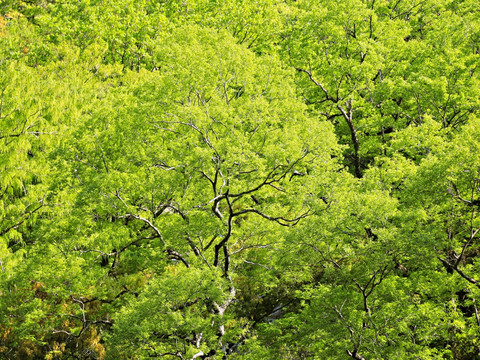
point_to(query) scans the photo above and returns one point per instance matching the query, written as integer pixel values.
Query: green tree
(232, 179)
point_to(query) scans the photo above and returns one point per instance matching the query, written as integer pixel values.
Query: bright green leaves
(171, 183)
(172, 314)
(193, 167)
(24, 137)
(127, 30)
(257, 25)
(373, 69)
(35, 105)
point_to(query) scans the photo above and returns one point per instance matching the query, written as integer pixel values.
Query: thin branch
(472, 231)
(279, 219)
(146, 221)
(210, 243)
(85, 163)
(199, 354)
(243, 248)
(258, 264)
(320, 85)
(353, 353)
(448, 265)
(27, 216)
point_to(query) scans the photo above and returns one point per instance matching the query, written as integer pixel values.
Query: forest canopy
(239, 179)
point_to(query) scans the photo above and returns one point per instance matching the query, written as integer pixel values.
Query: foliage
(234, 179)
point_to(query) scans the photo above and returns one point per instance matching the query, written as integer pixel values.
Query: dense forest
(239, 179)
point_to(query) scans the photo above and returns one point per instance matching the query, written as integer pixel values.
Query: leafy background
(236, 179)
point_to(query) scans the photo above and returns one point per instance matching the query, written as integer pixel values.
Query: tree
(205, 180)
(177, 174)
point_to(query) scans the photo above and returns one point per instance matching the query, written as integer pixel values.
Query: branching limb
(356, 344)
(278, 219)
(454, 266)
(376, 279)
(146, 221)
(348, 115)
(355, 355)
(85, 163)
(26, 215)
(273, 177)
(331, 260)
(320, 85)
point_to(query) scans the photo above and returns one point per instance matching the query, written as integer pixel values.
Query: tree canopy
(239, 180)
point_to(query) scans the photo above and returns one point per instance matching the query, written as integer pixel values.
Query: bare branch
(64, 332)
(353, 353)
